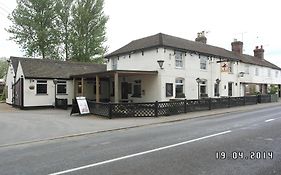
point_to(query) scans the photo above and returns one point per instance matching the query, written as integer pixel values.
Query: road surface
(238, 143)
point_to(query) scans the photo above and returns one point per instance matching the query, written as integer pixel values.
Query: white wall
(33, 99)
(148, 62)
(9, 83)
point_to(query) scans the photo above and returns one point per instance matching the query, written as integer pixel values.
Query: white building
(155, 68)
(218, 72)
(30, 82)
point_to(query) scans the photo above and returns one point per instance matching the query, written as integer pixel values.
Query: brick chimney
(259, 52)
(201, 37)
(237, 46)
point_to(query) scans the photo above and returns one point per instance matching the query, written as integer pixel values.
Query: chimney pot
(237, 46)
(259, 52)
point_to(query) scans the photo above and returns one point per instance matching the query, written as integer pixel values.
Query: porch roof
(112, 72)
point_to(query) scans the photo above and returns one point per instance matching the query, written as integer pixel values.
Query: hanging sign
(224, 67)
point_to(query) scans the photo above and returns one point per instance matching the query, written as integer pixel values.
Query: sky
(253, 22)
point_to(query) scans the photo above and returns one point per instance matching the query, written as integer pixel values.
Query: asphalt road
(241, 143)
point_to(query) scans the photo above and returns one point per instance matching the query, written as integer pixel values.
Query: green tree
(3, 68)
(63, 11)
(88, 30)
(34, 28)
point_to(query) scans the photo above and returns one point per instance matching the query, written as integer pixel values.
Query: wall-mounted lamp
(218, 81)
(241, 74)
(160, 62)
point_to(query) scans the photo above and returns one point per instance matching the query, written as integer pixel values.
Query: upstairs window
(203, 63)
(230, 67)
(61, 87)
(276, 74)
(257, 71)
(247, 68)
(268, 72)
(179, 59)
(114, 64)
(41, 87)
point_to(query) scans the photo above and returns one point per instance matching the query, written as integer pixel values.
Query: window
(203, 88)
(268, 72)
(61, 87)
(137, 89)
(41, 87)
(203, 63)
(169, 89)
(179, 88)
(114, 63)
(247, 67)
(257, 71)
(276, 74)
(179, 59)
(217, 90)
(230, 67)
(230, 88)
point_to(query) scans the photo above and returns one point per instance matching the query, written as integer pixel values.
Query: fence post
(156, 109)
(185, 107)
(228, 102)
(244, 100)
(110, 110)
(210, 103)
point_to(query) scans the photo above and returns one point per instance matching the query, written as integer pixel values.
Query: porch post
(82, 86)
(97, 88)
(74, 88)
(116, 94)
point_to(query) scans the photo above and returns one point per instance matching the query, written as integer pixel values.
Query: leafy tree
(88, 30)
(74, 29)
(34, 27)
(63, 11)
(3, 68)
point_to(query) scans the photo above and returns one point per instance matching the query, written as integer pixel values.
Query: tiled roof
(45, 68)
(163, 40)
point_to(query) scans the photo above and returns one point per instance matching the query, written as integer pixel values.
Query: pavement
(30, 126)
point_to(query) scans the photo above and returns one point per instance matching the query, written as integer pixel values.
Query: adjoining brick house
(155, 68)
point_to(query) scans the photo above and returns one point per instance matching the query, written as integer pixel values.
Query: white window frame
(179, 82)
(179, 60)
(203, 83)
(203, 63)
(61, 83)
(42, 82)
(114, 63)
(230, 67)
(247, 69)
(257, 71)
(268, 73)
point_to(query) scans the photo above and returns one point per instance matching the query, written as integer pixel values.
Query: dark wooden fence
(155, 109)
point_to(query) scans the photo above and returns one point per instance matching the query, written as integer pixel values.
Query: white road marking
(269, 120)
(139, 154)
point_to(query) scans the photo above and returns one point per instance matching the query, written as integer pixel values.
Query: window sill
(62, 94)
(181, 68)
(42, 94)
(204, 70)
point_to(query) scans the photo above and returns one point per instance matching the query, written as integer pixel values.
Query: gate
(18, 93)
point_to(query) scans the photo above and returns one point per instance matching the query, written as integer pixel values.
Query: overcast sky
(253, 22)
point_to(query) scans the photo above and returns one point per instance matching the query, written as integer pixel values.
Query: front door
(124, 90)
(230, 89)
